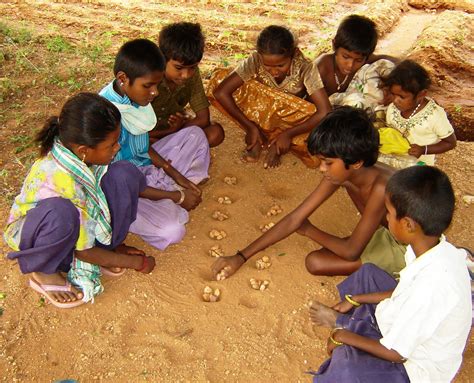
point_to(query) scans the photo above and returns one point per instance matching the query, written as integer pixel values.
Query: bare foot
(322, 315)
(57, 279)
(272, 160)
(253, 154)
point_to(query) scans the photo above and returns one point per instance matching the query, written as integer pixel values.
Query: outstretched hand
(226, 266)
(176, 121)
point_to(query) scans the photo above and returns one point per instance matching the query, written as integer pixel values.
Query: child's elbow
(218, 93)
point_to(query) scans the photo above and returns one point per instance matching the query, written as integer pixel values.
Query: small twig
(10, 41)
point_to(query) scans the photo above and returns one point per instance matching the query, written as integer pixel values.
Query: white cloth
(427, 127)
(428, 317)
(137, 120)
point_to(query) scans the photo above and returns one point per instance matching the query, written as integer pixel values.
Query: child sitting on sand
(73, 208)
(416, 117)
(414, 330)
(347, 145)
(351, 75)
(276, 95)
(174, 164)
(183, 47)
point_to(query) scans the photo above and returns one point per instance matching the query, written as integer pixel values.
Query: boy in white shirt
(416, 330)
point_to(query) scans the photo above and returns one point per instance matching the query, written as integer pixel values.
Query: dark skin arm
(372, 346)
(350, 248)
(288, 225)
(369, 345)
(321, 101)
(202, 119)
(443, 146)
(107, 258)
(223, 94)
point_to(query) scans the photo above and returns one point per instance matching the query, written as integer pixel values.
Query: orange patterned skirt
(271, 109)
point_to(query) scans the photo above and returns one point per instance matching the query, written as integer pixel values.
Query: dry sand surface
(157, 327)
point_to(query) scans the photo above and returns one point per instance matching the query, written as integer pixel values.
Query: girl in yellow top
(276, 95)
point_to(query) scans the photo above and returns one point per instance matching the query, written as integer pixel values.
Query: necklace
(414, 111)
(338, 83)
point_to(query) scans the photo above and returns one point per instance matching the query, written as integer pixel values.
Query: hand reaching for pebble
(224, 267)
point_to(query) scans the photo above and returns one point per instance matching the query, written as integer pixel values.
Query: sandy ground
(157, 328)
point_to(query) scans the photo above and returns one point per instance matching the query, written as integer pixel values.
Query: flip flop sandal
(44, 289)
(110, 273)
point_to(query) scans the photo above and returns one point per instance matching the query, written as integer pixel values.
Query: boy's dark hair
(424, 194)
(183, 42)
(137, 58)
(346, 133)
(276, 40)
(356, 34)
(85, 119)
(411, 76)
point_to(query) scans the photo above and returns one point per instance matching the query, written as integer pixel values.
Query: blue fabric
(347, 363)
(133, 148)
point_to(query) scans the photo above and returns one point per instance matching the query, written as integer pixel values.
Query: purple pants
(347, 363)
(162, 223)
(51, 229)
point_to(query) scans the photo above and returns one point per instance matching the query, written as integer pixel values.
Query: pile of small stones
(210, 295)
(224, 200)
(219, 216)
(223, 273)
(265, 228)
(216, 251)
(274, 210)
(230, 180)
(258, 284)
(263, 263)
(217, 234)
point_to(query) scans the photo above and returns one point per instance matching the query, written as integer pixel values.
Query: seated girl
(174, 164)
(417, 119)
(74, 209)
(351, 75)
(276, 95)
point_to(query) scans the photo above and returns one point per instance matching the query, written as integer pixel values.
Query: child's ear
(421, 95)
(358, 165)
(122, 78)
(409, 224)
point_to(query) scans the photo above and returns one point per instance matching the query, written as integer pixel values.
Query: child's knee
(314, 263)
(215, 134)
(59, 211)
(123, 174)
(173, 232)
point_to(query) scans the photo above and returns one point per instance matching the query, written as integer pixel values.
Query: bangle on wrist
(348, 298)
(331, 336)
(426, 150)
(144, 264)
(240, 254)
(181, 198)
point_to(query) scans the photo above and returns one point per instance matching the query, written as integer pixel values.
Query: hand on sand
(254, 141)
(226, 266)
(148, 265)
(191, 199)
(276, 148)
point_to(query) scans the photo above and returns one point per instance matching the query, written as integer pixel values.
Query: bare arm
(372, 346)
(351, 248)
(107, 258)
(288, 225)
(202, 119)
(443, 146)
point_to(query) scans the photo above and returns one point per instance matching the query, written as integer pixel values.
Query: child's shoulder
(325, 62)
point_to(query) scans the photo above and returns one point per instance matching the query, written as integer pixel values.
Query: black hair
(137, 58)
(346, 133)
(85, 119)
(183, 42)
(356, 34)
(276, 40)
(424, 194)
(411, 76)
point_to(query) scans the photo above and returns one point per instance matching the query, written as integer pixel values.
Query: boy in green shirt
(183, 46)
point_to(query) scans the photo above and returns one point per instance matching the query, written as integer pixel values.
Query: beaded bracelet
(240, 254)
(331, 336)
(349, 299)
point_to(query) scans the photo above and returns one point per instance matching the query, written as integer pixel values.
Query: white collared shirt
(428, 317)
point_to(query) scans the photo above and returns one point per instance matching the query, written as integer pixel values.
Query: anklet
(240, 254)
(349, 299)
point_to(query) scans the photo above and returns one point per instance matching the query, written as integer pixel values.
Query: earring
(83, 157)
(121, 84)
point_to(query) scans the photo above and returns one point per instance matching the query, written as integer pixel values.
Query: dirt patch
(445, 49)
(156, 327)
(462, 5)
